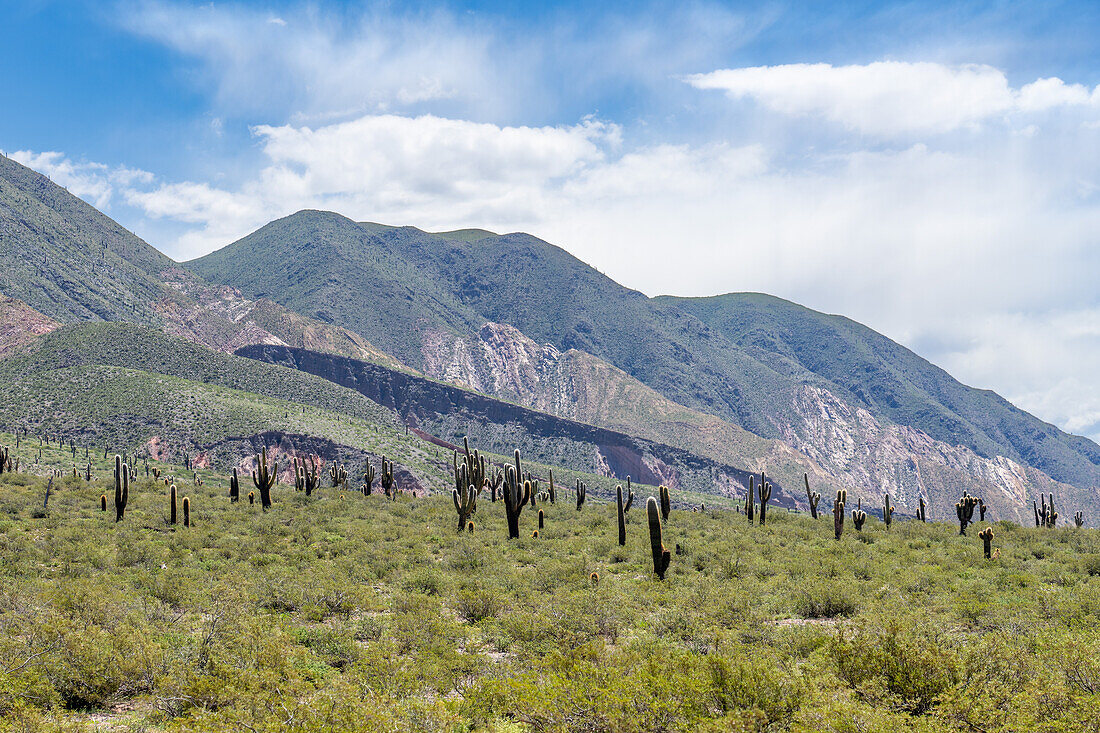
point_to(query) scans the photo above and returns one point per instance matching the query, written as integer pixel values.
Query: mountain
(68, 262)
(853, 401)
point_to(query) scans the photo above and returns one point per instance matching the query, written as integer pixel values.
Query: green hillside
(66, 260)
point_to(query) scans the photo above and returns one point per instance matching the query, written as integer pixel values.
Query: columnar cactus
(251, 498)
(812, 497)
(387, 479)
(517, 493)
(1078, 519)
(172, 503)
(368, 480)
(621, 515)
(1046, 517)
(921, 510)
(4, 458)
(234, 488)
(494, 484)
(858, 517)
(464, 494)
(476, 466)
(122, 487)
(750, 500)
(964, 510)
(582, 494)
(887, 512)
(309, 470)
(552, 495)
(982, 508)
(838, 512)
(338, 475)
(661, 556)
(666, 502)
(264, 479)
(186, 512)
(765, 496)
(629, 497)
(542, 519)
(986, 536)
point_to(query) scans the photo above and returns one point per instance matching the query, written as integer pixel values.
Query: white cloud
(888, 98)
(93, 182)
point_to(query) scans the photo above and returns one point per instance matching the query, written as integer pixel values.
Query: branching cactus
(629, 497)
(387, 479)
(986, 536)
(887, 512)
(858, 517)
(964, 510)
(661, 556)
(338, 475)
(368, 480)
(1078, 519)
(494, 484)
(122, 487)
(582, 494)
(172, 504)
(621, 515)
(234, 488)
(812, 497)
(517, 493)
(838, 512)
(311, 479)
(666, 502)
(464, 493)
(4, 460)
(1046, 516)
(765, 497)
(552, 494)
(982, 508)
(264, 479)
(750, 500)
(921, 510)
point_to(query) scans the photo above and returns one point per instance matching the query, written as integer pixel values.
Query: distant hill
(768, 366)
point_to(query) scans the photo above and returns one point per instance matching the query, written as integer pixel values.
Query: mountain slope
(753, 371)
(67, 261)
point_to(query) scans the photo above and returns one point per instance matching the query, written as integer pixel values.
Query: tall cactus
(921, 510)
(368, 480)
(517, 493)
(838, 512)
(812, 497)
(122, 487)
(629, 497)
(1078, 518)
(621, 515)
(750, 500)
(465, 491)
(582, 494)
(553, 494)
(887, 512)
(494, 484)
(387, 479)
(234, 488)
(186, 512)
(311, 479)
(338, 475)
(666, 502)
(986, 536)
(964, 510)
(264, 479)
(661, 556)
(1046, 517)
(765, 496)
(982, 509)
(172, 503)
(858, 516)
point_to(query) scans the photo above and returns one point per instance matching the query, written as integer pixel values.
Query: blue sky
(932, 170)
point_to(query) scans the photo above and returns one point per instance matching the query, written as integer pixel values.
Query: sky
(929, 169)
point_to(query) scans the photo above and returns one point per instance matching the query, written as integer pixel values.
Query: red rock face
(20, 324)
